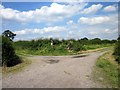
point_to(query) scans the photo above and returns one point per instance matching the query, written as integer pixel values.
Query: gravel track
(55, 72)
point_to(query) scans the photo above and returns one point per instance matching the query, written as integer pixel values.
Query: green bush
(117, 51)
(103, 63)
(118, 59)
(107, 70)
(0, 51)
(9, 58)
(77, 46)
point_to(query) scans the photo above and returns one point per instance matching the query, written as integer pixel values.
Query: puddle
(52, 61)
(79, 56)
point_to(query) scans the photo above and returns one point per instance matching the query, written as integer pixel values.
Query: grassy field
(106, 70)
(59, 50)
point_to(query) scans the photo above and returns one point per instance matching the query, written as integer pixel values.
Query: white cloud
(93, 20)
(1, 7)
(93, 9)
(70, 22)
(93, 33)
(72, 25)
(70, 32)
(8, 13)
(110, 31)
(41, 31)
(54, 12)
(110, 8)
(71, 1)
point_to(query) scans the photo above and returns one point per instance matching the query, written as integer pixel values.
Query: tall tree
(9, 58)
(8, 34)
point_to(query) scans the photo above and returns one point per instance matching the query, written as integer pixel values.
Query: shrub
(78, 46)
(9, 58)
(117, 51)
(0, 51)
(118, 59)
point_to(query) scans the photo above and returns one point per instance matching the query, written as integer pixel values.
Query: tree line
(70, 44)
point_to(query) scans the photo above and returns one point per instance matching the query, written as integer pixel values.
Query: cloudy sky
(33, 20)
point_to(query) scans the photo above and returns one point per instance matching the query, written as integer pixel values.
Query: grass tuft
(107, 69)
(17, 68)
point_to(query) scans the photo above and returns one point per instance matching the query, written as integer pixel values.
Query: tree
(118, 38)
(9, 34)
(96, 41)
(0, 50)
(84, 38)
(117, 50)
(9, 58)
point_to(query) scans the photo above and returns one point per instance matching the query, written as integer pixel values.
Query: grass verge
(59, 51)
(106, 70)
(17, 68)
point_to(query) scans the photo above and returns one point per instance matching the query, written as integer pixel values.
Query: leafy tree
(96, 41)
(9, 34)
(0, 50)
(113, 41)
(84, 38)
(118, 38)
(117, 50)
(9, 58)
(56, 42)
(78, 46)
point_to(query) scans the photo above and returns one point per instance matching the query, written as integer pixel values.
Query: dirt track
(56, 72)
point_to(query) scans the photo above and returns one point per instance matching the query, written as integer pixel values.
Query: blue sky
(33, 20)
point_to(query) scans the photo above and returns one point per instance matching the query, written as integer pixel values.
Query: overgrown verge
(117, 50)
(57, 47)
(57, 50)
(17, 68)
(106, 70)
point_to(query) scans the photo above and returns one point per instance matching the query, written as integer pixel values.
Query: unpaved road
(56, 72)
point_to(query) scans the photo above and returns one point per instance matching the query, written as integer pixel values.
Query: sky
(61, 20)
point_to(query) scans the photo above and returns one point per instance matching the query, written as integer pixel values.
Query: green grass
(91, 47)
(107, 69)
(43, 52)
(57, 50)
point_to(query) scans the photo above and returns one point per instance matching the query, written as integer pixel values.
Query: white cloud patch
(93, 20)
(70, 32)
(93, 33)
(92, 9)
(110, 8)
(70, 22)
(54, 12)
(109, 31)
(72, 25)
(41, 31)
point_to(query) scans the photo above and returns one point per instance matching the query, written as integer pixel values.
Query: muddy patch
(80, 56)
(52, 61)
